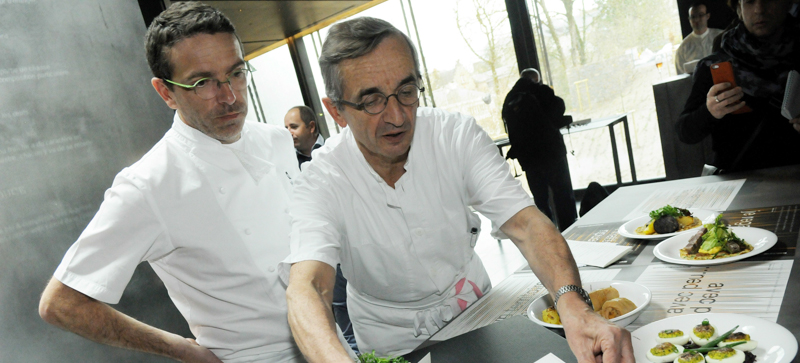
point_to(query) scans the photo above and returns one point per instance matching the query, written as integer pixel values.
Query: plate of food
(620, 302)
(666, 222)
(714, 244)
(748, 339)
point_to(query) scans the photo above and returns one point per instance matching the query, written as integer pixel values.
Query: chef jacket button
(247, 231)
(271, 269)
(418, 232)
(221, 190)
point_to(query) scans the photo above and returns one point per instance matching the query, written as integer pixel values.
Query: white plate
(761, 240)
(636, 293)
(776, 344)
(629, 228)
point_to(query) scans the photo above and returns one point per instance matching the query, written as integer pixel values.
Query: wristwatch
(567, 288)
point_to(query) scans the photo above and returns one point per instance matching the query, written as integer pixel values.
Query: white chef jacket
(407, 252)
(213, 223)
(695, 47)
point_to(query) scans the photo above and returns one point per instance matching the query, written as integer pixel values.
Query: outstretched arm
(591, 338)
(309, 297)
(71, 310)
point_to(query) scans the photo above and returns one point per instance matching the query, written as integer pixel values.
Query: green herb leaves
(669, 210)
(371, 358)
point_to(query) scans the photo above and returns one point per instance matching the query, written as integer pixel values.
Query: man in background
(700, 42)
(206, 207)
(302, 124)
(534, 115)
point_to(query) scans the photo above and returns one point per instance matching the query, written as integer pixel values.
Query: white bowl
(636, 293)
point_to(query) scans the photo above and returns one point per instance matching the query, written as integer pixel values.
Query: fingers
(796, 124)
(721, 101)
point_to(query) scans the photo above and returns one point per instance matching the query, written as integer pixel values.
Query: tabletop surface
(761, 188)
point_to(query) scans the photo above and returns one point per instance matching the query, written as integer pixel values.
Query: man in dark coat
(534, 114)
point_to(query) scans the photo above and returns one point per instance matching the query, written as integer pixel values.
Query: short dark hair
(307, 115)
(353, 39)
(695, 4)
(182, 20)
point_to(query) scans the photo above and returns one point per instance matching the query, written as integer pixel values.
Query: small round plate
(761, 240)
(629, 228)
(636, 293)
(776, 344)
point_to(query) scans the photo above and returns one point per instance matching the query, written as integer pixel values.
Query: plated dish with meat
(715, 243)
(666, 222)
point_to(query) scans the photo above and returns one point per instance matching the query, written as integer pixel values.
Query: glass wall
(277, 86)
(469, 62)
(602, 57)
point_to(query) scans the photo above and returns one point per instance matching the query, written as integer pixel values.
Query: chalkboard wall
(76, 106)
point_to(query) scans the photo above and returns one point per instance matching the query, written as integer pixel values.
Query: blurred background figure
(534, 115)
(698, 44)
(302, 123)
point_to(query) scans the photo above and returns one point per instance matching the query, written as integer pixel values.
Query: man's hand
(309, 297)
(592, 338)
(722, 101)
(192, 352)
(795, 123)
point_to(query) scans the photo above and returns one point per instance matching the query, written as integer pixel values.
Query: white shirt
(404, 250)
(695, 47)
(213, 223)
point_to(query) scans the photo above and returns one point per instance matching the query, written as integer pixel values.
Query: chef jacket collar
(213, 151)
(359, 156)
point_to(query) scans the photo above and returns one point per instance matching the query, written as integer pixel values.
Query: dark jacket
(775, 144)
(534, 114)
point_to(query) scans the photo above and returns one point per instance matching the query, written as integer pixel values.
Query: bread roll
(599, 297)
(617, 307)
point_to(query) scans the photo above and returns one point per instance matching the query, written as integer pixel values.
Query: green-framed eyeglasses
(375, 103)
(208, 88)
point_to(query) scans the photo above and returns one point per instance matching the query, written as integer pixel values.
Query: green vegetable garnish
(717, 235)
(669, 210)
(713, 344)
(371, 358)
(705, 322)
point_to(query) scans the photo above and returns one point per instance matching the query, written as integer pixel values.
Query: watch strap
(568, 288)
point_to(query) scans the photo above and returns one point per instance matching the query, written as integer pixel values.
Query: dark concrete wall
(76, 106)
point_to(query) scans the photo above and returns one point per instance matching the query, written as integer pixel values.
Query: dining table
(765, 286)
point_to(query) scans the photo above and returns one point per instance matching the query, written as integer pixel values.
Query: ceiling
(264, 25)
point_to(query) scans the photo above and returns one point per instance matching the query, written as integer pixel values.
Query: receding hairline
(169, 53)
(343, 64)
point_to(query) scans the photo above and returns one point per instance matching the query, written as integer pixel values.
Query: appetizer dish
(668, 220)
(674, 346)
(776, 344)
(605, 302)
(664, 352)
(714, 240)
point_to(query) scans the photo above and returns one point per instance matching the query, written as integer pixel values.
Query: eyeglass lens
(407, 95)
(209, 88)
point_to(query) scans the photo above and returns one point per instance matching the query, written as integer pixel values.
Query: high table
(762, 188)
(610, 122)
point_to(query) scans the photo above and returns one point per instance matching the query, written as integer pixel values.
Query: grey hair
(352, 39)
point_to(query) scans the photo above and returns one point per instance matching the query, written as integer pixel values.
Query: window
(276, 83)
(602, 57)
